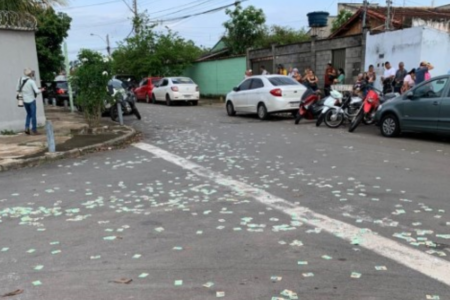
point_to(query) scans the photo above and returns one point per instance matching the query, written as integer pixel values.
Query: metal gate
(266, 62)
(339, 59)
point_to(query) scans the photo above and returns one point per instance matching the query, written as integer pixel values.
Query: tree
(29, 5)
(341, 19)
(53, 28)
(245, 29)
(283, 36)
(154, 53)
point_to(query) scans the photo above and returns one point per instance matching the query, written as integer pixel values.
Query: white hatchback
(171, 89)
(264, 95)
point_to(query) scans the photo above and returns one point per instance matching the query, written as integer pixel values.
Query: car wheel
(195, 103)
(390, 126)
(153, 99)
(230, 109)
(262, 112)
(147, 98)
(168, 100)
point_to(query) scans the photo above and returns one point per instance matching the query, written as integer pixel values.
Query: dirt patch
(80, 141)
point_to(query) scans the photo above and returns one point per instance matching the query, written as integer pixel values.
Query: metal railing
(17, 21)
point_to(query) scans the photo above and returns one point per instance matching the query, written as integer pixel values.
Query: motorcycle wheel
(333, 119)
(136, 113)
(369, 120)
(114, 113)
(356, 121)
(320, 119)
(298, 118)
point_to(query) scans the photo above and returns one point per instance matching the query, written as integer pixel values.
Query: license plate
(187, 96)
(295, 104)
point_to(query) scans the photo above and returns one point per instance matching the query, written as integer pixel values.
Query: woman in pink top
(409, 81)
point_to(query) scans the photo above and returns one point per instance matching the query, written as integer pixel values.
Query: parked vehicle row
(425, 108)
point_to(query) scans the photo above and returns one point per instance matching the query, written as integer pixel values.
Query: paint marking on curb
(433, 267)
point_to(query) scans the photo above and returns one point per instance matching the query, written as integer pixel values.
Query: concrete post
(50, 136)
(274, 59)
(365, 33)
(120, 112)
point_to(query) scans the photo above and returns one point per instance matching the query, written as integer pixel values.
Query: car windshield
(182, 80)
(156, 80)
(280, 81)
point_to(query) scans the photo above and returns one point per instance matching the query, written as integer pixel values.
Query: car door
(255, 95)
(160, 90)
(444, 113)
(420, 112)
(140, 90)
(240, 96)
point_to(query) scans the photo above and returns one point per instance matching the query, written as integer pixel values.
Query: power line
(89, 5)
(175, 7)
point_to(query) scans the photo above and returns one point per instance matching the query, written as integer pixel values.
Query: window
(245, 85)
(257, 84)
(280, 81)
(62, 85)
(165, 82)
(182, 80)
(155, 80)
(143, 82)
(433, 89)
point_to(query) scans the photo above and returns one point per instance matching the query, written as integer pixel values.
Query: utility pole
(388, 17)
(108, 46)
(366, 4)
(134, 9)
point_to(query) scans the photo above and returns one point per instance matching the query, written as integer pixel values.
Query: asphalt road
(251, 209)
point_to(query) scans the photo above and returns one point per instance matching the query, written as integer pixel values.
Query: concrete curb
(48, 157)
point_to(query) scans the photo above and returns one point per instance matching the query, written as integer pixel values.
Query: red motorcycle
(366, 113)
(309, 108)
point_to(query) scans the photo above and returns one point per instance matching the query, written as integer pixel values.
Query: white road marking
(426, 264)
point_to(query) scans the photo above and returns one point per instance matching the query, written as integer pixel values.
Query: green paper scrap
(56, 252)
(287, 293)
(178, 282)
(380, 268)
(136, 256)
(220, 227)
(5, 249)
(276, 278)
(282, 243)
(96, 257)
(109, 238)
(54, 243)
(38, 268)
(327, 257)
(37, 283)
(209, 284)
(355, 275)
(302, 263)
(159, 229)
(178, 248)
(199, 232)
(308, 274)
(278, 298)
(433, 297)
(220, 294)
(443, 236)
(143, 275)
(237, 229)
(31, 251)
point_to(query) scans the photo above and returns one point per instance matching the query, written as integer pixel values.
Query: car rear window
(156, 80)
(182, 81)
(62, 85)
(280, 81)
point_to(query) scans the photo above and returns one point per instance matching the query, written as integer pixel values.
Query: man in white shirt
(61, 76)
(29, 93)
(388, 78)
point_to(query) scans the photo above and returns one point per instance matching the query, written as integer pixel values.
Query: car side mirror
(236, 89)
(410, 95)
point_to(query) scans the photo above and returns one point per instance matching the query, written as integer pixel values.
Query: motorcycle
(309, 107)
(335, 115)
(122, 94)
(368, 109)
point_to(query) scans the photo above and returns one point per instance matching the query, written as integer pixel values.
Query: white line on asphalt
(426, 264)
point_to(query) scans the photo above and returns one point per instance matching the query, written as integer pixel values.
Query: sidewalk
(71, 137)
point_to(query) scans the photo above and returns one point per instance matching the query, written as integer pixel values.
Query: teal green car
(425, 108)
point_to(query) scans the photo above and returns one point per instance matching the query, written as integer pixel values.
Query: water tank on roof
(318, 19)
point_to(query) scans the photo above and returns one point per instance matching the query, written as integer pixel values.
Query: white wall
(17, 52)
(395, 47)
(436, 50)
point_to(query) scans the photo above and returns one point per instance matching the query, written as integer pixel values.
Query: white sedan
(264, 95)
(171, 89)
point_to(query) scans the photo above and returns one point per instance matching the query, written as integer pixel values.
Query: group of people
(400, 81)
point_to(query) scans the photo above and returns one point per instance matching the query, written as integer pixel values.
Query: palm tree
(28, 5)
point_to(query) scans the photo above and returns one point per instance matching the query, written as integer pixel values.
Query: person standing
(27, 86)
(263, 70)
(248, 74)
(312, 81)
(399, 77)
(330, 76)
(409, 81)
(290, 72)
(61, 77)
(371, 76)
(282, 70)
(388, 78)
(341, 77)
(296, 75)
(421, 72)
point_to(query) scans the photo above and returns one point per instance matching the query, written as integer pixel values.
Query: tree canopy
(29, 5)
(151, 53)
(53, 28)
(342, 18)
(280, 35)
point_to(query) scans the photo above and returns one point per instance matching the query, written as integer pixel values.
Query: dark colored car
(145, 88)
(128, 79)
(425, 108)
(58, 90)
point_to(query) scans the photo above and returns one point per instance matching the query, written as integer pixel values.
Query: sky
(113, 18)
